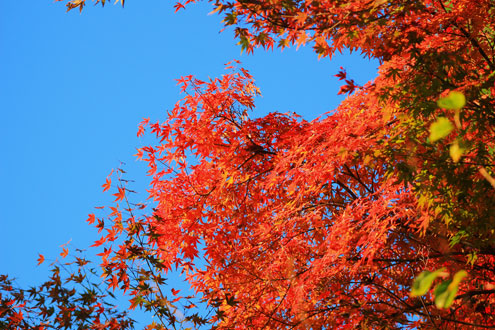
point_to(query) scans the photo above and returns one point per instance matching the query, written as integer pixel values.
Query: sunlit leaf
(446, 291)
(423, 282)
(456, 151)
(453, 101)
(440, 129)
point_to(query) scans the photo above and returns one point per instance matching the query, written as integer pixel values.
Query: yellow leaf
(456, 151)
(215, 10)
(453, 101)
(440, 129)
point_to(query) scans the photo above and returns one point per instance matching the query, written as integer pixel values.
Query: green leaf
(440, 129)
(448, 6)
(446, 291)
(423, 281)
(244, 42)
(453, 101)
(443, 296)
(458, 277)
(472, 257)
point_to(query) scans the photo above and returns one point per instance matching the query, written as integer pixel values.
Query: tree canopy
(379, 214)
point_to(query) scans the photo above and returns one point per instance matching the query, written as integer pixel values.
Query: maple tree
(380, 214)
(58, 305)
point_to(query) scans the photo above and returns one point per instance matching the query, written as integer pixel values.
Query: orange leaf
(120, 195)
(178, 6)
(107, 184)
(99, 242)
(64, 252)
(139, 153)
(114, 283)
(142, 126)
(40, 259)
(91, 218)
(66, 243)
(16, 317)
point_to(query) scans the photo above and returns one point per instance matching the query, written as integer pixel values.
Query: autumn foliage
(69, 299)
(379, 214)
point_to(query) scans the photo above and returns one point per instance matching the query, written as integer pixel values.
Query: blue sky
(73, 88)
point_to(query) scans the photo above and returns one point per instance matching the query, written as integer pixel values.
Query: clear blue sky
(73, 88)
